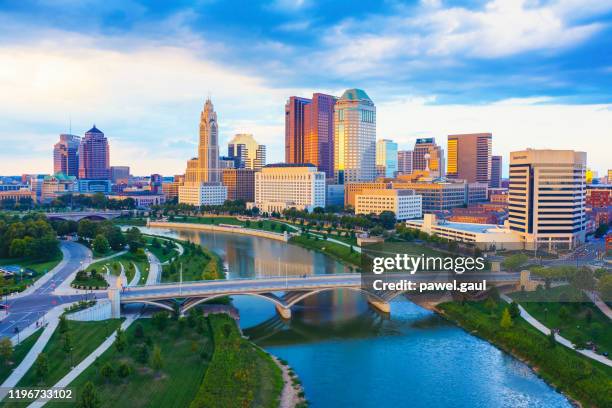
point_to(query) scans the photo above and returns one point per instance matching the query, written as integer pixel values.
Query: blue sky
(534, 73)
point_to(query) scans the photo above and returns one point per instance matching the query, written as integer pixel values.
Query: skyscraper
(203, 176)
(206, 167)
(245, 151)
(404, 161)
(294, 129)
(386, 156)
(319, 133)
(94, 156)
(355, 138)
(469, 157)
(546, 201)
(66, 155)
(434, 160)
(496, 171)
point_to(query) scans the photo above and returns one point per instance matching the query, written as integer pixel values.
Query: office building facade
(404, 162)
(469, 157)
(496, 172)
(66, 155)
(240, 184)
(546, 200)
(386, 157)
(319, 133)
(294, 129)
(246, 152)
(404, 204)
(94, 160)
(283, 186)
(427, 155)
(355, 138)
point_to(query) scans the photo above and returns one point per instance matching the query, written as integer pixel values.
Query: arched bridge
(283, 292)
(80, 215)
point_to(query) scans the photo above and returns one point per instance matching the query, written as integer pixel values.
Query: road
(25, 310)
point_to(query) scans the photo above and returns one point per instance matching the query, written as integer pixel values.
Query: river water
(348, 355)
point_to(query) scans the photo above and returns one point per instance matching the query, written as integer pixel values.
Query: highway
(26, 309)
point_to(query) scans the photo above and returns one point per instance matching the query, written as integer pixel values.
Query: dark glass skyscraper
(294, 129)
(66, 155)
(319, 133)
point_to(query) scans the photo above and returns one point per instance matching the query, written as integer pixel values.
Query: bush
(124, 370)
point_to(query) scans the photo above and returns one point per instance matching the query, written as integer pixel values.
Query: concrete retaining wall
(99, 311)
(217, 228)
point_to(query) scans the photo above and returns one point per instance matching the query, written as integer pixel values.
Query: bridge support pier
(379, 305)
(284, 312)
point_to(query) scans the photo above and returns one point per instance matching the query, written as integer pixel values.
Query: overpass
(80, 215)
(283, 292)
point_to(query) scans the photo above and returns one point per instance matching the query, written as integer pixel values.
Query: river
(346, 354)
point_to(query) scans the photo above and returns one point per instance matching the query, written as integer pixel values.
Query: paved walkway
(155, 269)
(601, 305)
(89, 360)
(561, 340)
(136, 277)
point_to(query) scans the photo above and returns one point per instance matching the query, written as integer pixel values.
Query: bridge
(80, 215)
(283, 292)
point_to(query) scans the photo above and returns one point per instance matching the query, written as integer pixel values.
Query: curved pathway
(561, 340)
(136, 277)
(600, 304)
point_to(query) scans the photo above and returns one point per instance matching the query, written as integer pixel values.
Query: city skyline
(416, 95)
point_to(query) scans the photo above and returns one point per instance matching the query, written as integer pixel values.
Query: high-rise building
(469, 157)
(206, 167)
(282, 186)
(240, 184)
(496, 172)
(427, 155)
(120, 174)
(386, 157)
(404, 162)
(319, 133)
(294, 129)
(66, 155)
(355, 138)
(547, 197)
(246, 152)
(155, 183)
(609, 176)
(202, 184)
(94, 161)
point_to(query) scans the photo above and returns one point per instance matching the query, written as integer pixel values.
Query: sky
(534, 73)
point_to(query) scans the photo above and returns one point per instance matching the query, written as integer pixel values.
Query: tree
(514, 262)
(605, 287)
(87, 229)
(42, 366)
(156, 358)
(100, 244)
(160, 320)
(6, 349)
(89, 397)
(563, 313)
(552, 342)
(490, 304)
(17, 248)
(583, 279)
(124, 370)
(387, 219)
(514, 310)
(67, 340)
(107, 371)
(506, 320)
(120, 340)
(142, 354)
(139, 331)
(63, 324)
(115, 238)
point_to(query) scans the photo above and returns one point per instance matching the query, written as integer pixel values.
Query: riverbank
(219, 228)
(580, 379)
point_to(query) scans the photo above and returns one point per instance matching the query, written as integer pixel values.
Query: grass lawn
(38, 266)
(19, 352)
(581, 378)
(110, 252)
(162, 252)
(139, 222)
(185, 358)
(264, 225)
(85, 338)
(197, 263)
(577, 328)
(239, 374)
(337, 251)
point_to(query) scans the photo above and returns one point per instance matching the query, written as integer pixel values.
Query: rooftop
(355, 95)
(94, 129)
(290, 165)
(464, 226)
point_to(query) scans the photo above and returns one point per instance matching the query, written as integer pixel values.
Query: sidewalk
(601, 305)
(136, 277)
(89, 360)
(46, 277)
(561, 340)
